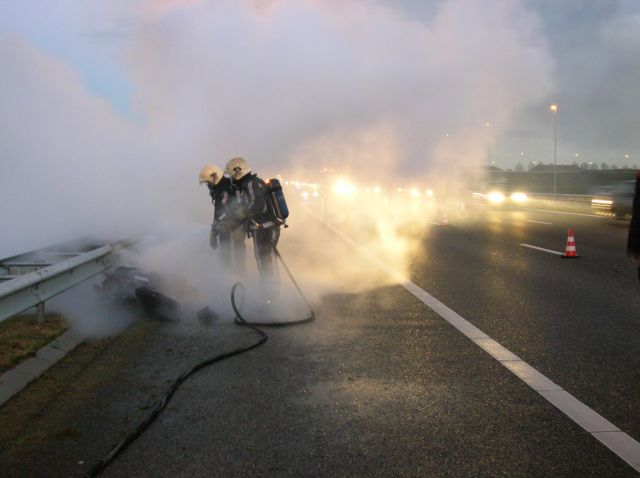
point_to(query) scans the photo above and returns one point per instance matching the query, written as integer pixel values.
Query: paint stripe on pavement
(540, 222)
(542, 249)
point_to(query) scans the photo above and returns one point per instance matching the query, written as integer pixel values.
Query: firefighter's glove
(213, 238)
(240, 214)
(221, 227)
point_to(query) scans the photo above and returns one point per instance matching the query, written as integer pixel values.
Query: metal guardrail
(573, 201)
(33, 288)
(574, 198)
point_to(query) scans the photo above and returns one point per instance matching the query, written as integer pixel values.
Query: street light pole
(554, 109)
(488, 125)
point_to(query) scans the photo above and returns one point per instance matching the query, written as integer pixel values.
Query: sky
(111, 107)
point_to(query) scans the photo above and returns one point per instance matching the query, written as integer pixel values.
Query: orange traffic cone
(570, 252)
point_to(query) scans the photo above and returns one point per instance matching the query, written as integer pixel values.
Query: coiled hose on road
(240, 320)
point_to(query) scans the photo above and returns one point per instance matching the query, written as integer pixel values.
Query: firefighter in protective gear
(211, 174)
(223, 194)
(238, 168)
(254, 214)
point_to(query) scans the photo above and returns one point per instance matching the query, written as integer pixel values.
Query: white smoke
(290, 85)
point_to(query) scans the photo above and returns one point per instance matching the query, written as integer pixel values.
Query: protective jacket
(254, 199)
(221, 194)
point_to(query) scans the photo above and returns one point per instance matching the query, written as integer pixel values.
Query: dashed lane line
(543, 249)
(540, 222)
(599, 427)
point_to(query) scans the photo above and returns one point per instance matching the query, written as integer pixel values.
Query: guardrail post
(41, 313)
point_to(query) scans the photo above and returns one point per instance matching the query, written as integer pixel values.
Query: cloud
(71, 165)
(267, 85)
(592, 44)
(288, 84)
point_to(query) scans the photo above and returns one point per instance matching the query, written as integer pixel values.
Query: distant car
(497, 197)
(601, 191)
(617, 201)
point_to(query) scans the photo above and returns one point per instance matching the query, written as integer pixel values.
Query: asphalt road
(575, 320)
(378, 385)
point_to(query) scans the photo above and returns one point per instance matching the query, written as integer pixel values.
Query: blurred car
(497, 197)
(616, 200)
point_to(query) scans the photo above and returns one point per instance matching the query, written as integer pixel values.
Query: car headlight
(518, 197)
(602, 202)
(342, 187)
(495, 197)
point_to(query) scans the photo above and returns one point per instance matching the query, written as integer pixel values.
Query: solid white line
(562, 212)
(600, 428)
(543, 249)
(539, 222)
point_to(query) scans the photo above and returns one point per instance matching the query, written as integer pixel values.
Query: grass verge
(21, 337)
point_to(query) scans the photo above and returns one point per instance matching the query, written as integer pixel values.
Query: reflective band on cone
(570, 251)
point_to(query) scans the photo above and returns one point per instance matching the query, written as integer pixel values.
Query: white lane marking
(531, 376)
(543, 249)
(540, 222)
(579, 412)
(599, 427)
(562, 212)
(622, 445)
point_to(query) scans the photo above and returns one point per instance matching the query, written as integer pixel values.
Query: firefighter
(253, 212)
(223, 195)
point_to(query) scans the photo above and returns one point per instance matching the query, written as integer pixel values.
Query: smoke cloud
(293, 86)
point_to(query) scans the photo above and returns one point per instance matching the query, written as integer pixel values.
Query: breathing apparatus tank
(276, 202)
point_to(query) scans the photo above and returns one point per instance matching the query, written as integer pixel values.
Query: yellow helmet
(211, 174)
(238, 168)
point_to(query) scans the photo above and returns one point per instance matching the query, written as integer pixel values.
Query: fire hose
(163, 402)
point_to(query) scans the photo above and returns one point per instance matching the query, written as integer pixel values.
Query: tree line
(583, 165)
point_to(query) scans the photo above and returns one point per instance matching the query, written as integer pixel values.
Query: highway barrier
(32, 289)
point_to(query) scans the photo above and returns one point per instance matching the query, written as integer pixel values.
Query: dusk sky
(592, 47)
(133, 97)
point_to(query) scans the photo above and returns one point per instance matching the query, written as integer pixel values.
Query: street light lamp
(554, 110)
